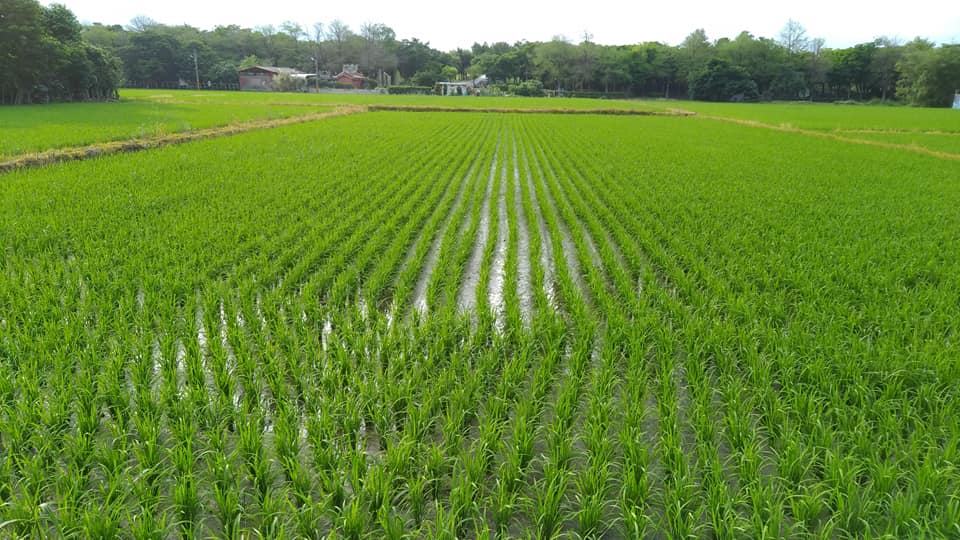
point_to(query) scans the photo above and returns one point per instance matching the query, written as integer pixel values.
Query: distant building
(352, 76)
(260, 78)
(462, 88)
(956, 100)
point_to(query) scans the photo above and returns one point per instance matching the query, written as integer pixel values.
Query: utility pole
(196, 69)
(316, 79)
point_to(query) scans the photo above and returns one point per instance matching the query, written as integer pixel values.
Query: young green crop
(36, 128)
(683, 328)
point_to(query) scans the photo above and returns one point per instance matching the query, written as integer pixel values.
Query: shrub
(532, 88)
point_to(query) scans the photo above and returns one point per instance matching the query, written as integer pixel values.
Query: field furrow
(467, 299)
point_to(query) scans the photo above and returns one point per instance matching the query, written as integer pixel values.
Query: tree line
(44, 58)
(790, 66)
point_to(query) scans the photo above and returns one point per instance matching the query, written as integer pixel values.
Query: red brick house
(350, 75)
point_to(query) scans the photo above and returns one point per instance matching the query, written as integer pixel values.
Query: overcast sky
(448, 24)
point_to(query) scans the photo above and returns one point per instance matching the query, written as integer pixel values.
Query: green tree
(21, 43)
(765, 60)
(852, 69)
(554, 63)
(886, 55)
(44, 58)
(695, 52)
(461, 59)
(413, 55)
(612, 68)
(153, 55)
(722, 81)
(929, 76)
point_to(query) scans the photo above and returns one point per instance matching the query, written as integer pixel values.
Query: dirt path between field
(899, 132)
(833, 136)
(78, 153)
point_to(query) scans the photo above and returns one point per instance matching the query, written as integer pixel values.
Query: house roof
(272, 69)
(355, 76)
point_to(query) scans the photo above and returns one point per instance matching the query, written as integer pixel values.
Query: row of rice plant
(447, 325)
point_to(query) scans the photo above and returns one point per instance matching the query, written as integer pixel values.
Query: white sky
(448, 24)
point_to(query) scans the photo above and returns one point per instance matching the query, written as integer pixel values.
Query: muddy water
(467, 298)
(495, 291)
(430, 262)
(546, 247)
(525, 285)
(566, 239)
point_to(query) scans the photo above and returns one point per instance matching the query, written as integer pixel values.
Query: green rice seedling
(591, 503)
(353, 519)
(547, 502)
(377, 488)
(101, 522)
(333, 488)
(391, 525)
(227, 496)
(271, 516)
(807, 506)
(464, 494)
(187, 501)
(68, 505)
(727, 338)
(148, 524)
(414, 495)
(444, 525)
(505, 501)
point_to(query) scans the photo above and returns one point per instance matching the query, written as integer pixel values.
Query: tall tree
(793, 37)
(696, 50)
(317, 36)
(339, 34)
(461, 59)
(883, 64)
(44, 58)
(554, 62)
(929, 75)
(21, 41)
(379, 48)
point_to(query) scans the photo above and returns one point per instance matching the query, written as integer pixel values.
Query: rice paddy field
(487, 325)
(38, 128)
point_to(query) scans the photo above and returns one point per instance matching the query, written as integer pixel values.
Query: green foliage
(46, 60)
(249, 61)
(722, 81)
(792, 66)
(930, 77)
(532, 88)
(409, 90)
(283, 82)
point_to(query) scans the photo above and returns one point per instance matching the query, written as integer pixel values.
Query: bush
(595, 95)
(531, 88)
(285, 83)
(401, 90)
